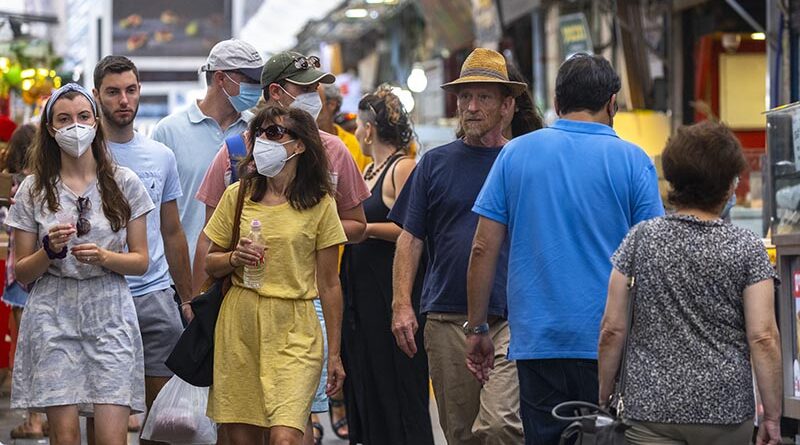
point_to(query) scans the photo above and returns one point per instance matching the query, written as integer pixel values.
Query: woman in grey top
(703, 311)
(79, 350)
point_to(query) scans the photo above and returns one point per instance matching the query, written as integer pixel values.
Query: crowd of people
(495, 267)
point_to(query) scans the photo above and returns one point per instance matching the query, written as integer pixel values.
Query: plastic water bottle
(254, 275)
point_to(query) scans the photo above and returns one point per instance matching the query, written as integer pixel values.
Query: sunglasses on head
(84, 226)
(301, 63)
(273, 132)
(304, 63)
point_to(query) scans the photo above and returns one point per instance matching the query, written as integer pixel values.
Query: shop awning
(449, 22)
(511, 10)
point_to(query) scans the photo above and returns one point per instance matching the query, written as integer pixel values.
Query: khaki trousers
(471, 414)
(650, 433)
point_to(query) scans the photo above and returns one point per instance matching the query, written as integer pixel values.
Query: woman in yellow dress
(268, 341)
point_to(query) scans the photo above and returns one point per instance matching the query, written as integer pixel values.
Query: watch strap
(480, 329)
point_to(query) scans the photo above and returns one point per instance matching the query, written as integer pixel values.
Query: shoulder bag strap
(632, 286)
(237, 217)
(236, 152)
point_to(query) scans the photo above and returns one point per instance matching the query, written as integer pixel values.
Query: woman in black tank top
(386, 391)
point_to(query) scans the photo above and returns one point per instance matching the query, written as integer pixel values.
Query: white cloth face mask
(75, 139)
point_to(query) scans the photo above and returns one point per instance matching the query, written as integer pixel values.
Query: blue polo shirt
(195, 139)
(155, 165)
(568, 195)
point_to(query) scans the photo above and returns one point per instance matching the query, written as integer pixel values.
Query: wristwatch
(481, 329)
(53, 255)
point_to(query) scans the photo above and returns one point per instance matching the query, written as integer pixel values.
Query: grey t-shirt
(688, 358)
(30, 213)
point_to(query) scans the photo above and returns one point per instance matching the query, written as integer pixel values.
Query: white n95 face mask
(270, 157)
(308, 102)
(75, 139)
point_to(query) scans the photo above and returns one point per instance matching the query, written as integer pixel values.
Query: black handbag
(192, 358)
(591, 424)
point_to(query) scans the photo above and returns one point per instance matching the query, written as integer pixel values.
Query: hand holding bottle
(256, 267)
(246, 253)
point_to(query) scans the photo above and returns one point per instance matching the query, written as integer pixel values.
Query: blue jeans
(543, 384)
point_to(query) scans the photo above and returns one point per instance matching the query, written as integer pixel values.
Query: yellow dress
(268, 343)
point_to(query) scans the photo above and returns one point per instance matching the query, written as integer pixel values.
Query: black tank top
(374, 208)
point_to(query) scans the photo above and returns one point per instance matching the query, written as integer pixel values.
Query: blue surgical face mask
(248, 96)
(726, 211)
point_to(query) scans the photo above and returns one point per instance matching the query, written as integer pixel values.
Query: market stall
(782, 216)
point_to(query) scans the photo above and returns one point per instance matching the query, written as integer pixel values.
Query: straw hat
(485, 66)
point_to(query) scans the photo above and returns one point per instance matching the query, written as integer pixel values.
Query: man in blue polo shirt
(566, 196)
(195, 134)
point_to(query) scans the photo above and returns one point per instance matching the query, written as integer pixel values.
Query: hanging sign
(574, 35)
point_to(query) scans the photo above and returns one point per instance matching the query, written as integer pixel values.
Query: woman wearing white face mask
(79, 225)
(268, 350)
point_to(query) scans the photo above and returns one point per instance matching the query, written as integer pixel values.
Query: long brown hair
(45, 164)
(526, 115)
(18, 148)
(312, 180)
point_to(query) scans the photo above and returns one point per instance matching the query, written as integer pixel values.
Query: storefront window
(783, 185)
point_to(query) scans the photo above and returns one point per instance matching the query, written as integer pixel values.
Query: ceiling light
(356, 13)
(417, 81)
(406, 98)
(758, 36)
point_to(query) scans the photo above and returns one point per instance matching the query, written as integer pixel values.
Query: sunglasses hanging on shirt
(84, 207)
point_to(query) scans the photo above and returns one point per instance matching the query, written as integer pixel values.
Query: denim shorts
(15, 295)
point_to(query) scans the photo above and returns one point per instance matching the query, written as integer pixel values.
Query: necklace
(372, 171)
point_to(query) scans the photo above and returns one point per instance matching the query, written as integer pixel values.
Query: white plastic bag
(178, 416)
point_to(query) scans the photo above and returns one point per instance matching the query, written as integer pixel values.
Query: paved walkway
(11, 418)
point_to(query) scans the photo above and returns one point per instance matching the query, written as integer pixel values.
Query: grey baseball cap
(235, 54)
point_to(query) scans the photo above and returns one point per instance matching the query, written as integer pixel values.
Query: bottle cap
(255, 224)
